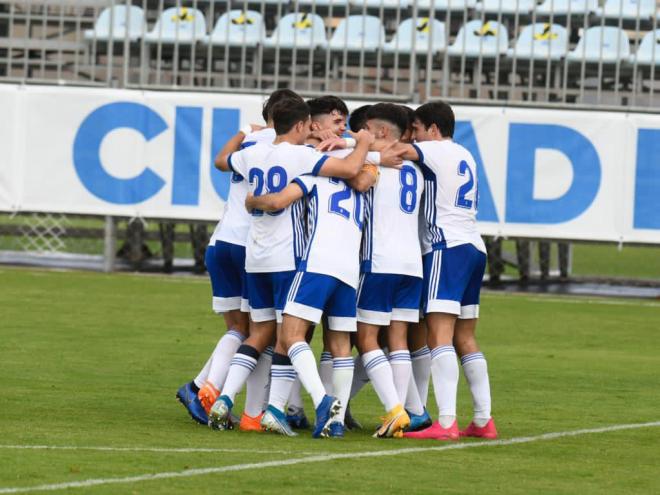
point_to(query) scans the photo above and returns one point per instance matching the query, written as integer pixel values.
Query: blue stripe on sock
(472, 357)
(376, 362)
(442, 350)
(424, 351)
(297, 350)
(326, 356)
(343, 363)
(268, 351)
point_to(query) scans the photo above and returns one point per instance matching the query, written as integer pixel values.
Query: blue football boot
(326, 413)
(336, 430)
(220, 415)
(296, 418)
(191, 402)
(275, 420)
(419, 421)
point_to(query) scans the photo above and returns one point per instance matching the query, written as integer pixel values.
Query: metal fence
(558, 52)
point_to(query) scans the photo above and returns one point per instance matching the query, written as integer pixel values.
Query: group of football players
(374, 236)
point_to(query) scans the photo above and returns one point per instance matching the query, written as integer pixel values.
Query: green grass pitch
(90, 360)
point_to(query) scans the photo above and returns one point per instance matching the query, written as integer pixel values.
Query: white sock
(295, 398)
(476, 373)
(258, 383)
(303, 361)
(360, 377)
(282, 377)
(201, 377)
(421, 365)
(342, 378)
(325, 371)
(444, 370)
(413, 401)
(224, 352)
(401, 372)
(242, 365)
(380, 373)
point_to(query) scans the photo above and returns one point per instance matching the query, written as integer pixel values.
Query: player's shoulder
(266, 135)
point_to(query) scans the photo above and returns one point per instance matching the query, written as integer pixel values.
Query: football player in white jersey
(391, 280)
(326, 282)
(454, 257)
(225, 263)
(276, 238)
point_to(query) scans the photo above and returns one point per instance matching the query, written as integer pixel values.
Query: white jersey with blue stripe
(451, 195)
(391, 234)
(275, 239)
(335, 218)
(235, 222)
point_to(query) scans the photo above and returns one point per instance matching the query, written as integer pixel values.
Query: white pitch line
(321, 458)
(173, 450)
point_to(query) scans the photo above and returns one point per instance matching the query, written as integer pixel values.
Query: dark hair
(275, 97)
(357, 119)
(438, 113)
(410, 114)
(288, 113)
(389, 112)
(326, 105)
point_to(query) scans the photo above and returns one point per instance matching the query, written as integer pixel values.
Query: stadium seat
(238, 28)
(357, 33)
(505, 7)
(540, 41)
(476, 38)
(564, 7)
(606, 44)
(111, 24)
(182, 25)
(628, 9)
(445, 5)
(386, 4)
(301, 30)
(648, 52)
(308, 4)
(417, 37)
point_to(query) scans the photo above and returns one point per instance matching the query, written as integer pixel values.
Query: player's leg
(374, 310)
(325, 364)
(244, 362)
(227, 272)
(342, 323)
(295, 412)
(446, 275)
(308, 296)
(473, 361)
(420, 355)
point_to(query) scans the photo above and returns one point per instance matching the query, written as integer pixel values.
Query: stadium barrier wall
(554, 174)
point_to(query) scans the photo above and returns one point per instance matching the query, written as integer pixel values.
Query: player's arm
(234, 144)
(367, 177)
(402, 151)
(350, 166)
(274, 201)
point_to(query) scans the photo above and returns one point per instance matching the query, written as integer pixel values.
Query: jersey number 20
(339, 197)
(464, 190)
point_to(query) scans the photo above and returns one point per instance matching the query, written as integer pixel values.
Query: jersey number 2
(344, 195)
(461, 200)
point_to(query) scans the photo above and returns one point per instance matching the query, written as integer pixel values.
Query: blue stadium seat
(628, 9)
(475, 39)
(446, 5)
(608, 44)
(541, 41)
(181, 25)
(386, 4)
(112, 24)
(238, 28)
(301, 30)
(506, 7)
(648, 52)
(564, 7)
(357, 33)
(420, 34)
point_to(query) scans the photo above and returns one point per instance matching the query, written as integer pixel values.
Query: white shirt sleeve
(236, 162)
(306, 183)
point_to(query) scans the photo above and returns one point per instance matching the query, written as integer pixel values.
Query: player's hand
(248, 202)
(334, 143)
(364, 136)
(323, 134)
(390, 155)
